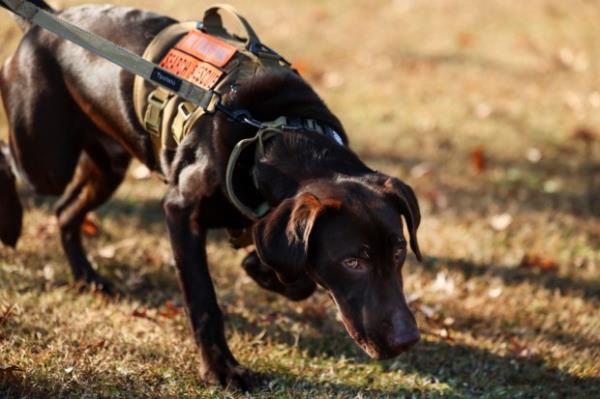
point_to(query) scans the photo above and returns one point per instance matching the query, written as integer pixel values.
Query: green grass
(420, 86)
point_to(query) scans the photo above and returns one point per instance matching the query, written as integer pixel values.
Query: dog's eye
(399, 254)
(352, 263)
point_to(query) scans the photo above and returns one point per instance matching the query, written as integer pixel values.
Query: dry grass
(421, 87)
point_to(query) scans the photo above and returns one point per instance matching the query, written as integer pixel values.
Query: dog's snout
(403, 341)
(398, 333)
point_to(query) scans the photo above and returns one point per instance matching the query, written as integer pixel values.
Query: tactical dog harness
(197, 61)
(207, 55)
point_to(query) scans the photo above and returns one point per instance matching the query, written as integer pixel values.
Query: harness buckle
(157, 101)
(184, 113)
(238, 115)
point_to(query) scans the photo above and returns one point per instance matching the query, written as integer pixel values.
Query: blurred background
(489, 110)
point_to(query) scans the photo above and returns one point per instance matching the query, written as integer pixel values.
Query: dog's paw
(95, 283)
(234, 378)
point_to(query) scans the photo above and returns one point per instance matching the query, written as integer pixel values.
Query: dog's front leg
(188, 242)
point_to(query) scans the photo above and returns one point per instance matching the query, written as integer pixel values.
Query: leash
(127, 60)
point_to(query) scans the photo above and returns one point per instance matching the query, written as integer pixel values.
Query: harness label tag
(207, 48)
(189, 68)
(166, 79)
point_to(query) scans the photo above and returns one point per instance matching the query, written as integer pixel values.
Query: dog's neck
(293, 160)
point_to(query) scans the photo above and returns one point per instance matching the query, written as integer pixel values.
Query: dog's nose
(399, 336)
(403, 341)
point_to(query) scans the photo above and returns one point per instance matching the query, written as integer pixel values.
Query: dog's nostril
(410, 339)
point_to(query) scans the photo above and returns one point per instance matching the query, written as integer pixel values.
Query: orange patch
(205, 75)
(189, 68)
(207, 48)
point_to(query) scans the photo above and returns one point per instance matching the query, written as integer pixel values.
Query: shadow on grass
(462, 60)
(148, 212)
(517, 275)
(474, 371)
(519, 180)
(265, 385)
(468, 370)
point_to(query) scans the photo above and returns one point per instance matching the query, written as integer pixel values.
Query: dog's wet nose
(403, 341)
(399, 334)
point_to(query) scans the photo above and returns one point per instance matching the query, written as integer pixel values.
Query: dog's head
(347, 235)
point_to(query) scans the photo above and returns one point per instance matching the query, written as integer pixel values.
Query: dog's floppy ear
(282, 237)
(404, 196)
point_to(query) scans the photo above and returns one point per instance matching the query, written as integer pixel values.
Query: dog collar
(247, 153)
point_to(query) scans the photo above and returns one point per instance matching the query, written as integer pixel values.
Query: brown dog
(333, 221)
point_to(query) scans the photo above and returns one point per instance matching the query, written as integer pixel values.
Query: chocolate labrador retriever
(333, 222)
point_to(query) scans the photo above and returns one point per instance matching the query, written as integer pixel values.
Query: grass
(508, 296)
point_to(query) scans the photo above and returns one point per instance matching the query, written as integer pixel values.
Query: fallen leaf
(100, 344)
(478, 160)
(584, 134)
(428, 311)
(437, 198)
(141, 172)
(519, 349)
(533, 155)
(567, 149)
(538, 262)
(332, 80)
(443, 282)
(9, 373)
(552, 186)
(107, 252)
(142, 313)
(495, 292)
(464, 39)
(442, 333)
(259, 338)
(483, 110)
(574, 102)
(501, 222)
(570, 59)
(170, 310)
(6, 314)
(415, 296)
(48, 272)
(47, 229)
(445, 333)
(420, 170)
(89, 227)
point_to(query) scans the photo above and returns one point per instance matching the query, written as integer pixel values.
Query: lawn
(490, 110)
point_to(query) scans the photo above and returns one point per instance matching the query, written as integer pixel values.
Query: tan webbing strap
(213, 23)
(155, 51)
(157, 101)
(184, 112)
(257, 143)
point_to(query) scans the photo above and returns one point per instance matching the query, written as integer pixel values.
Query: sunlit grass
(420, 86)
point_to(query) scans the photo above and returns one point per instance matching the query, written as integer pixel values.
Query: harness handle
(213, 23)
